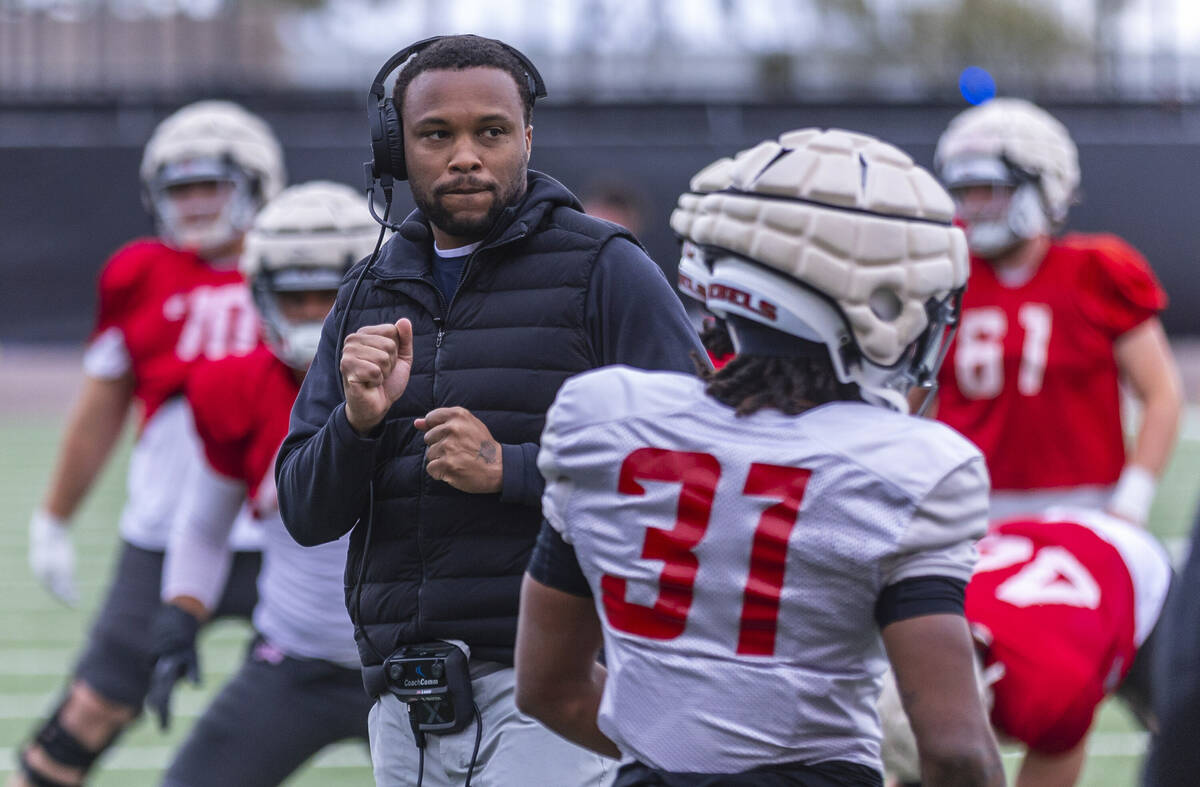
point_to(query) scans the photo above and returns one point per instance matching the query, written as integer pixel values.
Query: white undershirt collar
(461, 251)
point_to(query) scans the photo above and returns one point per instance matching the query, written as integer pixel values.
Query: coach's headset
(386, 166)
(387, 163)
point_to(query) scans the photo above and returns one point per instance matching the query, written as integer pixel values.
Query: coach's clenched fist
(460, 450)
(376, 362)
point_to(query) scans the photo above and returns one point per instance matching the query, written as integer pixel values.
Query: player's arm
(92, 430)
(1052, 770)
(933, 660)
(559, 681)
(194, 573)
(1144, 359)
(920, 614)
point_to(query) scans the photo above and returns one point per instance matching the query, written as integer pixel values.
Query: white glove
(52, 556)
(1133, 495)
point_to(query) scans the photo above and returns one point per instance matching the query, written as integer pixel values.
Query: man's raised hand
(376, 362)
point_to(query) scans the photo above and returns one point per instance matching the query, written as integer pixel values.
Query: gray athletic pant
(117, 661)
(269, 719)
(515, 750)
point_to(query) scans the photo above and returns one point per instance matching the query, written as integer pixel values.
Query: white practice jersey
(166, 453)
(302, 598)
(736, 561)
(301, 606)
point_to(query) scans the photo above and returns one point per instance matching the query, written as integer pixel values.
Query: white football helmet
(839, 239)
(305, 239)
(694, 269)
(210, 141)
(1019, 147)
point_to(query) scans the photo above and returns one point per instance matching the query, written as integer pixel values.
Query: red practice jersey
(241, 406)
(1063, 604)
(1031, 377)
(170, 309)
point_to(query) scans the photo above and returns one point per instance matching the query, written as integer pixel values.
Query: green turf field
(39, 637)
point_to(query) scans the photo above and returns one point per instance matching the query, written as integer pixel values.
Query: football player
(299, 688)
(752, 547)
(1064, 608)
(164, 304)
(1049, 326)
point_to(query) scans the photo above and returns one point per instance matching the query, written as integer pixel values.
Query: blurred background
(642, 93)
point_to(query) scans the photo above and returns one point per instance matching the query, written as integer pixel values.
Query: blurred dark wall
(69, 192)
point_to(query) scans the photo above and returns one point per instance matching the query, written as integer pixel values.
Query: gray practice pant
(269, 719)
(515, 751)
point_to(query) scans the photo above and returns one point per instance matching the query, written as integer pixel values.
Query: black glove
(173, 646)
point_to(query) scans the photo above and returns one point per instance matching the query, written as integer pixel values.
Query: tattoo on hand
(488, 452)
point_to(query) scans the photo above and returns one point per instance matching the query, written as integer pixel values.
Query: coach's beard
(460, 226)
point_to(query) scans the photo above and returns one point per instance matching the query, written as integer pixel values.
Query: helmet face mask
(294, 318)
(296, 255)
(999, 206)
(1011, 141)
(202, 206)
(217, 143)
(743, 290)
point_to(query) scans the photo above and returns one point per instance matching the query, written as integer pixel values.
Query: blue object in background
(976, 85)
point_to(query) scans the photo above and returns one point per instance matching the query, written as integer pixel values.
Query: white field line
(156, 758)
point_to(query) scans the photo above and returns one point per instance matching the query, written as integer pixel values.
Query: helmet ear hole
(885, 304)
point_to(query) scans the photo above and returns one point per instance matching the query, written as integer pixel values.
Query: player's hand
(461, 451)
(52, 556)
(173, 646)
(376, 362)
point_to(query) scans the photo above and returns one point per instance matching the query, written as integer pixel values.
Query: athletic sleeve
(1119, 290)
(916, 596)
(946, 523)
(554, 564)
(198, 553)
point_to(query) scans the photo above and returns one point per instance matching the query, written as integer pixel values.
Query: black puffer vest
(444, 564)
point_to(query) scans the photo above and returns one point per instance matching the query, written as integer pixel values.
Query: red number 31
(697, 475)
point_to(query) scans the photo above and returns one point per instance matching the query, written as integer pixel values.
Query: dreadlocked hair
(750, 383)
(715, 337)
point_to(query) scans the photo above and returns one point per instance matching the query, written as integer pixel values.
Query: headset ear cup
(393, 138)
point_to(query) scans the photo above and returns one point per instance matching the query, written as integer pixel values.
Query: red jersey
(172, 308)
(1031, 374)
(1056, 600)
(241, 406)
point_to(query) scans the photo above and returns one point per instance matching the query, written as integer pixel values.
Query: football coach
(417, 428)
